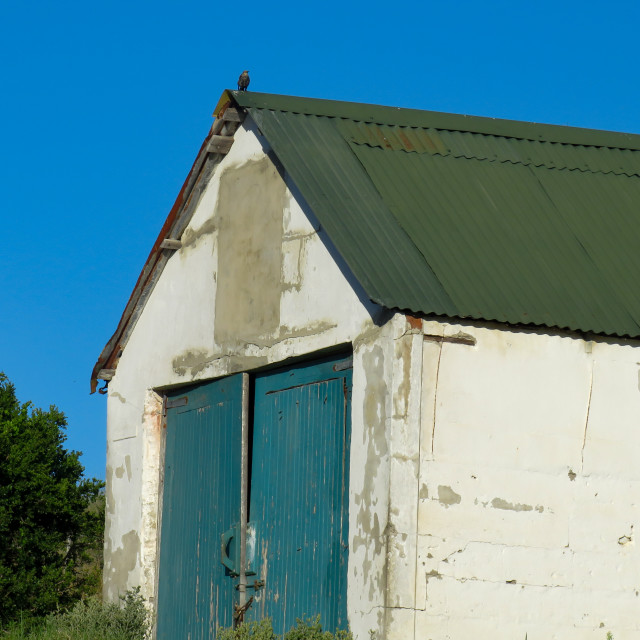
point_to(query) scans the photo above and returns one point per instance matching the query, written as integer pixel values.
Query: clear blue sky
(104, 106)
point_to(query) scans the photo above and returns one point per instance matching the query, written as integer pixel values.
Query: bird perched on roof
(243, 81)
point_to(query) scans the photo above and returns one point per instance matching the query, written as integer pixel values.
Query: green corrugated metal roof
(470, 217)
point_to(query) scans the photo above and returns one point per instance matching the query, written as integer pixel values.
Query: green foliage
(51, 517)
(90, 620)
(305, 629)
(311, 629)
(249, 631)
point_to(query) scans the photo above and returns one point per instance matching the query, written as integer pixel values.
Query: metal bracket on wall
(343, 365)
(256, 584)
(173, 403)
(177, 402)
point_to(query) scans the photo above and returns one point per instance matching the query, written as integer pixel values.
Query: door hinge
(177, 402)
(343, 365)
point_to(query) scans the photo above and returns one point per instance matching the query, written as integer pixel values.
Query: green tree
(51, 518)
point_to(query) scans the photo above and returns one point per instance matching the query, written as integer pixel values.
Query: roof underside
(470, 217)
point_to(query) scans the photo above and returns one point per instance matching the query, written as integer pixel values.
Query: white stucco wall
(526, 489)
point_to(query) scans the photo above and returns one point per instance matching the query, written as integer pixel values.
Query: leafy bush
(305, 629)
(311, 629)
(89, 619)
(51, 517)
(249, 631)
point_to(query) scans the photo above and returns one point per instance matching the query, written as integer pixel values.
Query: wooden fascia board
(175, 223)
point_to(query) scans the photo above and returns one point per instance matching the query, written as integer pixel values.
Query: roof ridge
(400, 116)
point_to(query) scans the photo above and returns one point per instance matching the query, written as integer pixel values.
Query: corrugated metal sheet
(509, 242)
(396, 116)
(552, 155)
(470, 217)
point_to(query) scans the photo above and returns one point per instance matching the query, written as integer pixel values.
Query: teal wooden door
(298, 501)
(200, 501)
(299, 493)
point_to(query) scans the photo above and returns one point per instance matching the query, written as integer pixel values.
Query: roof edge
(378, 114)
(173, 225)
(109, 353)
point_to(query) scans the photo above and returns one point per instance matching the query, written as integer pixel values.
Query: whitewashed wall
(249, 240)
(525, 499)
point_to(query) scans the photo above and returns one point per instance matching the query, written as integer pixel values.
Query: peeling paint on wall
(109, 499)
(190, 237)
(252, 196)
(191, 362)
(370, 536)
(283, 334)
(294, 260)
(126, 467)
(152, 421)
(121, 561)
(499, 503)
(447, 496)
(401, 398)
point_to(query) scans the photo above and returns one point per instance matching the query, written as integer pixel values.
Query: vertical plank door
(201, 500)
(299, 493)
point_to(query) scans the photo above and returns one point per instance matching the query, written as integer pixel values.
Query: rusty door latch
(240, 610)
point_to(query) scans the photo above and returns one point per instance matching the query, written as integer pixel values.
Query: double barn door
(297, 545)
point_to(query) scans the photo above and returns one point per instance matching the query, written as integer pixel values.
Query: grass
(89, 619)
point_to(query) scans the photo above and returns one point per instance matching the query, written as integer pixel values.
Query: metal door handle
(225, 538)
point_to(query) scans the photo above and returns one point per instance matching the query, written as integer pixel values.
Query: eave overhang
(214, 147)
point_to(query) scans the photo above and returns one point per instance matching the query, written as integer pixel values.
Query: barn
(382, 365)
